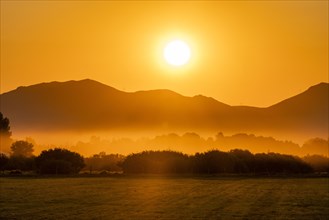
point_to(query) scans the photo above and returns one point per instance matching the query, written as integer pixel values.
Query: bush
(59, 161)
(156, 162)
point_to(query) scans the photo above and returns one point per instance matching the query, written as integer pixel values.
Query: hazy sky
(250, 53)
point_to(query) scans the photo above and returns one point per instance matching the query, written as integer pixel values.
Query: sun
(177, 53)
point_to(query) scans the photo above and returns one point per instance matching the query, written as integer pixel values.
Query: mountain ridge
(323, 85)
(91, 105)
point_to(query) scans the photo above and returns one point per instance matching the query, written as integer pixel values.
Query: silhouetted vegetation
(62, 161)
(157, 162)
(191, 143)
(22, 149)
(280, 163)
(21, 157)
(213, 162)
(3, 161)
(21, 163)
(104, 162)
(5, 133)
(4, 125)
(318, 162)
(316, 146)
(59, 161)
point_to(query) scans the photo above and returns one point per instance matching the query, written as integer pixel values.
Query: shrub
(59, 161)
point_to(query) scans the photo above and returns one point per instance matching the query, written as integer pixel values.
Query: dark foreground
(164, 198)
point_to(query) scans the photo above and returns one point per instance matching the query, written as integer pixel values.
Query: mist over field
(189, 143)
(90, 117)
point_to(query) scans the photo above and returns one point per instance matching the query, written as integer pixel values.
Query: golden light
(177, 53)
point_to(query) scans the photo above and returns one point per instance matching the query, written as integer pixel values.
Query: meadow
(160, 197)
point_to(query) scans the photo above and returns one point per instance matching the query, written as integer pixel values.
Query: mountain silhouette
(88, 105)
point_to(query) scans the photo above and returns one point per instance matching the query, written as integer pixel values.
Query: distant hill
(88, 105)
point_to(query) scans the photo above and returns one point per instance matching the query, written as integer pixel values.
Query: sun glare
(177, 53)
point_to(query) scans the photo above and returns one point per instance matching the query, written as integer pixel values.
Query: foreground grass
(164, 198)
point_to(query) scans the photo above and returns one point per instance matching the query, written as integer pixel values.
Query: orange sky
(249, 53)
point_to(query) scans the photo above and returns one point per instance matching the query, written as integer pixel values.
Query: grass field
(164, 198)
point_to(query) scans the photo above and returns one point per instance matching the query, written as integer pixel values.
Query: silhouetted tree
(21, 157)
(22, 149)
(3, 161)
(156, 162)
(59, 161)
(4, 125)
(244, 161)
(5, 134)
(103, 161)
(213, 161)
(21, 163)
(280, 163)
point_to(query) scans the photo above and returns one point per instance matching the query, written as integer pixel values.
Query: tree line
(213, 162)
(52, 161)
(191, 143)
(63, 161)
(237, 161)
